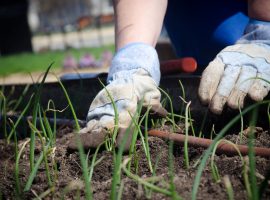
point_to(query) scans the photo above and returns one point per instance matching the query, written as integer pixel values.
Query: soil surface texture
(68, 173)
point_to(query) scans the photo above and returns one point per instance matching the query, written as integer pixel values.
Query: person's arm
(259, 9)
(134, 73)
(138, 21)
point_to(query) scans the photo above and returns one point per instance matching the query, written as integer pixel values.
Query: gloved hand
(134, 76)
(232, 74)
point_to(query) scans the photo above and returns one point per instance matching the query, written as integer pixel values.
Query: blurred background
(77, 35)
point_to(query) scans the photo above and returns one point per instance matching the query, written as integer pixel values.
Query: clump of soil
(68, 172)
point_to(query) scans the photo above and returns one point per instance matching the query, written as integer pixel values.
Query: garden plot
(42, 167)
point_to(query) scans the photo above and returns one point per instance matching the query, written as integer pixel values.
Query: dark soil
(69, 172)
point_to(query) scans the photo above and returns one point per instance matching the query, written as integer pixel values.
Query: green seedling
(136, 131)
(34, 171)
(44, 152)
(203, 124)
(42, 124)
(171, 108)
(36, 99)
(17, 169)
(212, 132)
(171, 172)
(228, 186)
(94, 162)
(264, 185)
(251, 155)
(217, 138)
(22, 96)
(147, 149)
(142, 181)
(191, 122)
(120, 193)
(82, 155)
(242, 123)
(116, 116)
(116, 179)
(214, 168)
(19, 119)
(246, 178)
(182, 96)
(3, 112)
(51, 103)
(186, 137)
(144, 139)
(44, 194)
(72, 186)
(48, 129)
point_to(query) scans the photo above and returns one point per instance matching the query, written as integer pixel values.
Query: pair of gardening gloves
(134, 77)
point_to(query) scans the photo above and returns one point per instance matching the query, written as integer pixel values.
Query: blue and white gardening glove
(134, 76)
(232, 74)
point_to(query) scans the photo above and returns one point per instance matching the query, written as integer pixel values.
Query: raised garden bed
(60, 175)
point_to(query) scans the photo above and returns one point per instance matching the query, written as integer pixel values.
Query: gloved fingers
(242, 86)
(88, 140)
(224, 89)
(93, 134)
(145, 88)
(105, 122)
(158, 111)
(96, 132)
(210, 80)
(125, 135)
(118, 92)
(259, 88)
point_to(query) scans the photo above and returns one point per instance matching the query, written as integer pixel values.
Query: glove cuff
(256, 32)
(134, 56)
(258, 22)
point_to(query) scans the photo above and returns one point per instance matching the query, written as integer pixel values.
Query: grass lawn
(32, 62)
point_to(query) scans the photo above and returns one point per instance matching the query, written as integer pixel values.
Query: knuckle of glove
(146, 88)
(116, 91)
(246, 62)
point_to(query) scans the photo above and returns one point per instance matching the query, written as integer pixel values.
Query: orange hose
(223, 147)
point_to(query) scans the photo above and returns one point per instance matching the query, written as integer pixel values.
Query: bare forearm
(138, 21)
(259, 9)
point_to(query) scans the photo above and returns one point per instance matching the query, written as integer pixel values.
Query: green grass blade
(183, 95)
(93, 163)
(22, 96)
(82, 155)
(217, 138)
(117, 165)
(228, 186)
(20, 118)
(36, 105)
(34, 171)
(147, 149)
(17, 168)
(171, 172)
(54, 117)
(251, 155)
(42, 124)
(171, 107)
(140, 180)
(116, 116)
(186, 158)
(77, 126)
(3, 113)
(264, 185)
